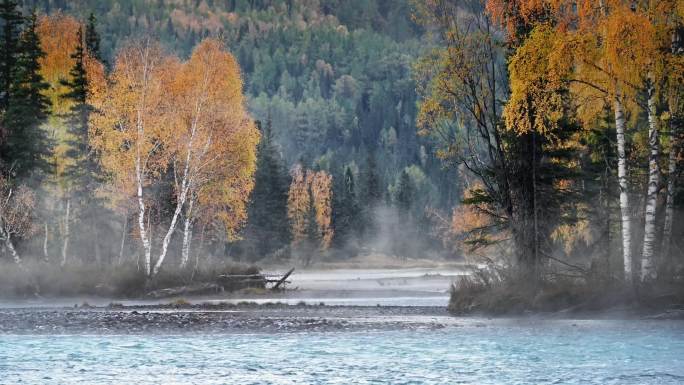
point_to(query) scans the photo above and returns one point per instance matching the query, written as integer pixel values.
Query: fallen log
(196, 289)
(282, 280)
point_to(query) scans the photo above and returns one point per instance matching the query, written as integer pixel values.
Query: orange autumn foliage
(471, 226)
(58, 39)
(158, 113)
(310, 187)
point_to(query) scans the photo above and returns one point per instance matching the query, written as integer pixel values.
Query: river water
(468, 351)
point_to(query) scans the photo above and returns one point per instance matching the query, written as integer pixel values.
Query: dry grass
(502, 291)
(38, 278)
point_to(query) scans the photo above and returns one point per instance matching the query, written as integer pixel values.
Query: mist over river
(476, 351)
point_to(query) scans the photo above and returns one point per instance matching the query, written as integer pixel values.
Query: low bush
(500, 291)
(39, 278)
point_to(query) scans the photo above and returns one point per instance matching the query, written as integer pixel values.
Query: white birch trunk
(671, 185)
(624, 198)
(186, 182)
(7, 237)
(648, 271)
(147, 246)
(187, 234)
(67, 226)
(172, 227)
(185, 185)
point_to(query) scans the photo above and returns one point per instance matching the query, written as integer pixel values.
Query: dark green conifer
(405, 194)
(92, 38)
(12, 21)
(268, 227)
(83, 172)
(346, 211)
(27, 146)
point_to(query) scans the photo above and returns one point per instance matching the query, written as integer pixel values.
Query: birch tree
(160, 114)
(607, 48)
(130, 130)
(16, 215)
(215, 155)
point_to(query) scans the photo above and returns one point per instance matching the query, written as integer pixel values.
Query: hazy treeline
(107, 161)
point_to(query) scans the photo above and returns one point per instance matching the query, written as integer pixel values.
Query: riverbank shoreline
(180, 318)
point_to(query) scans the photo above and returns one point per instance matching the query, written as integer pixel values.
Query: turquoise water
(477, 352)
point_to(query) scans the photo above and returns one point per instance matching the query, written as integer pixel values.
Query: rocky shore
(222, 318)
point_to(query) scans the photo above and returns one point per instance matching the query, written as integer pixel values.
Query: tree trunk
(123, 239)
(187, 234)
(96, 241)
(648, 271)
(624, 198)
(169, 232)
(67, 220)
(677, 48)
(671, 185)
(147, 246)
(185, 186)
(45, 243)
(8, 244)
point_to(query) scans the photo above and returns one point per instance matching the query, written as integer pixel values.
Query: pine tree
(372, 186)
(83, 173)
(92, 39)
(268, 227)
(27, 145)
(11, 27)
(405, 194)
(346, 210)
(77, 118)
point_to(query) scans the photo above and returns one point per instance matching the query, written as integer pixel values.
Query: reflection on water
(482, 352)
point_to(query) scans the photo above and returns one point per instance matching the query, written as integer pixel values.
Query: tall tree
(267, 227)
(92, 38)
(405, 194)
(12, 21)
(83, 173)
(27, 146)
(161, 116)
(346, 210)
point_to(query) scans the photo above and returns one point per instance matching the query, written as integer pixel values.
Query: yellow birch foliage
(130, 127)
(215, 132)
(157, 112)
(321, 189)
(58, 39)
(309, 187)
(298, 201)
(536, 102)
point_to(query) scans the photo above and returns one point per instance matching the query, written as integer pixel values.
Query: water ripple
(631, 352)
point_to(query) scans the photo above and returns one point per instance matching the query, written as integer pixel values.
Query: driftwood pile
(226, 283)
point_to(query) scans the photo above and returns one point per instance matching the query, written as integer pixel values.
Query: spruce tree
(77, 118)
(92, 39)
(83, 173)
(346, 209)
(11, 27)
(372, 194)
(405, 194)
(27, 145)
(268, 227)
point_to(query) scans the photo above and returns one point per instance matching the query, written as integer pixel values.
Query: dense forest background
(331, 83)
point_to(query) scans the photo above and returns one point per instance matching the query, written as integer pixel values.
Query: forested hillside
(331, 85)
